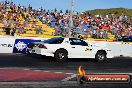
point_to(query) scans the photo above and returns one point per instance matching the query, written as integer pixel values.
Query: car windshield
(54, 41)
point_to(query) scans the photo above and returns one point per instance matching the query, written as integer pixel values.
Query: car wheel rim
(61, 56)
(100, 57)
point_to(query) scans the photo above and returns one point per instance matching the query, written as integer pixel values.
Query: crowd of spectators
(97, 26)
(16, 18)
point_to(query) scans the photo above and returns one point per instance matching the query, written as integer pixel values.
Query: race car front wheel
(61, 55)
(100, 56)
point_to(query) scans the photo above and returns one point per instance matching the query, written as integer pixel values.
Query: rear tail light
(42, 46)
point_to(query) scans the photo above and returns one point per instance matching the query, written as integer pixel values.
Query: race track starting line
(27, 75)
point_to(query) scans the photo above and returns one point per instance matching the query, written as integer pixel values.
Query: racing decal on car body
(88, 49)
(20, 45)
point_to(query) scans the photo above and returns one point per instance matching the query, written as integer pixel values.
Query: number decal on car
(88, 49)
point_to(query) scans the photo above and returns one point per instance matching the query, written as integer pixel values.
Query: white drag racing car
(63, 48)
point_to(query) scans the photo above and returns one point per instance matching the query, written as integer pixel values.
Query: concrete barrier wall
(6, 45)
(9, 44)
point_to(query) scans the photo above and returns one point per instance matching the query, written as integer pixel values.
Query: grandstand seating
(30, 30)
(110, 36)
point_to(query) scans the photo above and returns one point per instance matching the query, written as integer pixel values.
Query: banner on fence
(6, 45)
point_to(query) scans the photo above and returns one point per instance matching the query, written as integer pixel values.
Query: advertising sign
(6, 45)
(101, 78)
(105, 78)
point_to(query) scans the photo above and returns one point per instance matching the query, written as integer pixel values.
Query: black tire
(100, 56)
(82, 80)
(61, 55)
(43, 56)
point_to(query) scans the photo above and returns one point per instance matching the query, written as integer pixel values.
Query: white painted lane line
(26, 69)
(68, 78)
(31, 83)
(46, 71)
(58, 72)
(36, 70)
(16, 68)
(69, 73)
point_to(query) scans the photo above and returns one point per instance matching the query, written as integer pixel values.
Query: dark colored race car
(125, 39)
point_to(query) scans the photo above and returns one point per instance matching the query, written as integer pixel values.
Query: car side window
(54, 41)
(74, 41)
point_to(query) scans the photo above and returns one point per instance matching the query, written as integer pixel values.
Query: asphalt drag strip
(28, 78)
(32, 71)
(26, 75)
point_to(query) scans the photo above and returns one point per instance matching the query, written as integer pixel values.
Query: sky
(79, 5)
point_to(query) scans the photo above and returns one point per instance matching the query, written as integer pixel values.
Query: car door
(77, 48)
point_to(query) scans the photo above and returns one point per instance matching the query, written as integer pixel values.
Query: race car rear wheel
(61, 55)
(101, 56)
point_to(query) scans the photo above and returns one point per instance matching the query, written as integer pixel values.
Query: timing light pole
(71, 21)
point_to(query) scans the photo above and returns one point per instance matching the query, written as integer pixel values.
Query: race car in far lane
(125, 38)
(63, 48)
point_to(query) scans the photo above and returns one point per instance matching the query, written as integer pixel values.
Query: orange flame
(82, 72)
